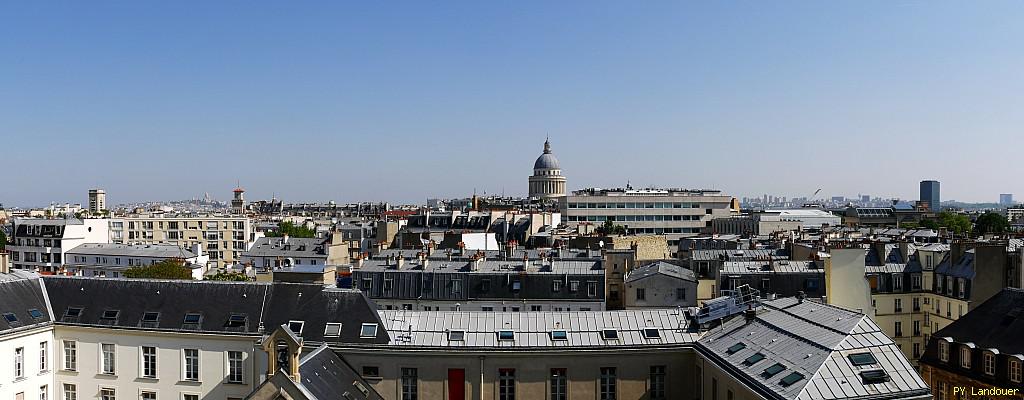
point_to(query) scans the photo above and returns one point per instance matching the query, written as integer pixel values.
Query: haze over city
(357, 102)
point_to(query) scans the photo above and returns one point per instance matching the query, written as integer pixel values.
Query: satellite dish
(601, 243)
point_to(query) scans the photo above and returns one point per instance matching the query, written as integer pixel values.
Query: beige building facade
(224, 238)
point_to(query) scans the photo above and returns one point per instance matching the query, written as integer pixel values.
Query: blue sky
(407, 100)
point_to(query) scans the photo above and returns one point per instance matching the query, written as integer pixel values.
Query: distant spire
(547, 145)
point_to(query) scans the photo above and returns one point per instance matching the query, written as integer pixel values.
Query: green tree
(609, 228)
(228, 276)
(956, 223)
(991, 222)
(287, 227)
(166, 269)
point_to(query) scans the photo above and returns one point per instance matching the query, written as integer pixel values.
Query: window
(189, 396)
(861, 359)
(70, 392)
(641, 294)
(333, 329)
(236, 321)
(791, 379)
(368, 331)
(899, 329)
(148, 395)
(897, 282)
(656, 387)
(898, 305)
(754, 359)
(107, 394)
(296, 326)
(235, 366)
(44, 392)
(192, 320)
(506, 335)
(608, 382)
(556, 285)
(11, 318)
(1013, 371)
(43, 365)
(941, 389)
(592, 289)
(559, 335)
(107, 358)
(681, 293)
(735, 348)
(609, 334)
(456, 336)
(191, 364)
(943, 351)
(559, 384)
(990, 363)
(574, 286)
(409, 384)
(150, 319)
(371, 371)
(35, 314)
(70, 355)
(19, 363)
(652, 333)
(965, 357)
(109, 317)
(773, 370)
(148, 362)
(507, 384)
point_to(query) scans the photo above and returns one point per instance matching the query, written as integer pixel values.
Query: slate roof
(662, 268)
(20, 293)
(214, 301)
(326, 376)
(813, 340)
(316, 306)
(892, 268)
(533, 330)
(962, 268)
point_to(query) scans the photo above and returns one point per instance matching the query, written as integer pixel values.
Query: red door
(456, 384)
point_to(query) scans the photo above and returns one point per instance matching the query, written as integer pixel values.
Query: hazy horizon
(406, 101)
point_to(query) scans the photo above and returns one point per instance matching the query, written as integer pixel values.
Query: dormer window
(456, 336)
(559, 335)
(192, 321)
(652, 333)
(110, 315)
(965, 357)
(368, 330)
(296, 326)
(609, 334)
(333, 329)
(1013, 370)
(72, 314)
(989, 363)
(236, 321)
(943, 351)
(506, 335)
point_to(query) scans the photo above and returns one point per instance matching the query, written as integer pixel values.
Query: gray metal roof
(295, 247)
(532, 330)
(738, 255)
(770, 267)
(814, 340)
(489, 266)
(126, 250)
(662, 268)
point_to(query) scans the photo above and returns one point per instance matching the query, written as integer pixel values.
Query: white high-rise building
(97, 200)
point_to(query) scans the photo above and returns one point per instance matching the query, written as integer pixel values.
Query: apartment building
(980, 355)
(675, 213)
(222, 237)
(112, 259)
(660, 284)
(481, 284)
(41, 244)
(268, 253)
(26, 338)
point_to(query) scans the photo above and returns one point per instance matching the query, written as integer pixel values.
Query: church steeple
(547, 146)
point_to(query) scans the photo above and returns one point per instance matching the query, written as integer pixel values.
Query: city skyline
(360, 103)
